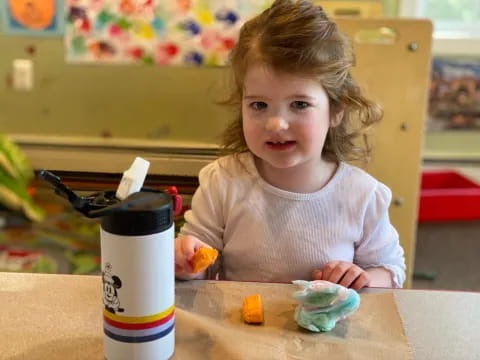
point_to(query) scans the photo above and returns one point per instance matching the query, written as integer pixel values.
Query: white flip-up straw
(133, 178)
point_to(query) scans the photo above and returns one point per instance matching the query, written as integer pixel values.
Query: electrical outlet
(22, 76)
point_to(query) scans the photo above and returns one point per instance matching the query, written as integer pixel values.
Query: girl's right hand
(185, 247)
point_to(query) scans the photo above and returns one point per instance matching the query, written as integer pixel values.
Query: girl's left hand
(343, 273)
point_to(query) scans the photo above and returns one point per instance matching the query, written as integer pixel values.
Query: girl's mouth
(281, 145)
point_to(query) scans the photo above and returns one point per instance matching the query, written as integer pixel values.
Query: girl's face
(285, 118)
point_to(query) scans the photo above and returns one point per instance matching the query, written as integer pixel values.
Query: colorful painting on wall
(32, 17)
(163, 32)
(454, 102)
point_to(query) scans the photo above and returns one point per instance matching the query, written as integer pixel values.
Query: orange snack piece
(252, 309)
(203, 258)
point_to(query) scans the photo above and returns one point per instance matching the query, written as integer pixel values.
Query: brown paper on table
(50, 317)
(209, 326)
(59, 317)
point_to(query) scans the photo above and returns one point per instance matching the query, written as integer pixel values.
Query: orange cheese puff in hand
(203, 258)
(252, 310)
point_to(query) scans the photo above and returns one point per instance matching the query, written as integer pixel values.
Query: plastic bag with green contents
(15, 176)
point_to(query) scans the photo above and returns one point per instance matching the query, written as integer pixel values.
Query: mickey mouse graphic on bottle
(137, 251)
(110, 285)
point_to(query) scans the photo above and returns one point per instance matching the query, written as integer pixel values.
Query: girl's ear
(337, 118)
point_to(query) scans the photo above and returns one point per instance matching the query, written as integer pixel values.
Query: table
(47, 316)
(440, 324)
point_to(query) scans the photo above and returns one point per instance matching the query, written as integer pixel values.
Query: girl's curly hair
(296, 36)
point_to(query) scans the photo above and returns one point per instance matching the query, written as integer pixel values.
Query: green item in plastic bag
(15, 175)
(14, 161)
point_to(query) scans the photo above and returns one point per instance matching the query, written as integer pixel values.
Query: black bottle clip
(100, 203)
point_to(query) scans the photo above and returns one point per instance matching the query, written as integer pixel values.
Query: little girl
(284, 204)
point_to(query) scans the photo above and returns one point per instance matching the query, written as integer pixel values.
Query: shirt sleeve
(379, 245)
(205, 218)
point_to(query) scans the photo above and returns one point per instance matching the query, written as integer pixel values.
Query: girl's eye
(299, 105)
(258, 105)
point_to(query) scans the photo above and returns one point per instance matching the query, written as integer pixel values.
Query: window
(456, 23)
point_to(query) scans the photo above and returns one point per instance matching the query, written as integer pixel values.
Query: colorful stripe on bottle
(138, 329)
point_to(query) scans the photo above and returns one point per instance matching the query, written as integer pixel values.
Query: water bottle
(138, 270)
(138, 275)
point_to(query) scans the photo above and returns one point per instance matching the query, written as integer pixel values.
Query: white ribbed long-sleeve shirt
(268, 234)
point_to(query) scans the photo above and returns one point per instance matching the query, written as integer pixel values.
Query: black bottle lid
(142, 213)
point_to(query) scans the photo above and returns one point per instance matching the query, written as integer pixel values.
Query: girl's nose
(276, 123)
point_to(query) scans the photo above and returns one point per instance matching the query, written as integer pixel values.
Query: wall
(144, 102)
